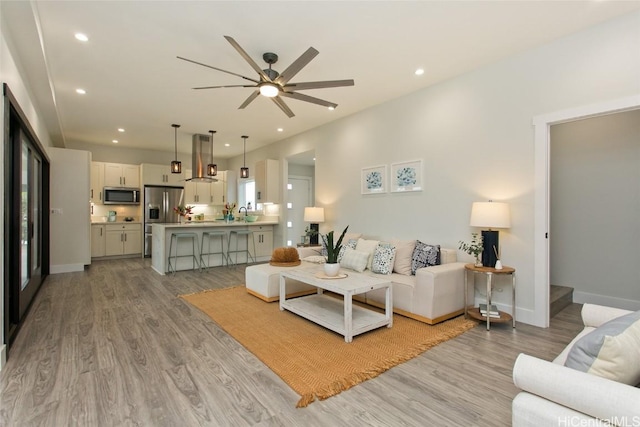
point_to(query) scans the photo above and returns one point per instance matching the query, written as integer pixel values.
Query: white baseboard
(65, 268)
(625, 304)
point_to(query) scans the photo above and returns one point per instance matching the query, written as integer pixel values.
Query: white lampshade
(490, 215)
(314, 215)
(269, 90)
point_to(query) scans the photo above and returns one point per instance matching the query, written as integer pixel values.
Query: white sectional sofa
(432, 295)
(555, 395)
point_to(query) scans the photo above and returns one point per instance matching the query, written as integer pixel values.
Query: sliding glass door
(30, 222)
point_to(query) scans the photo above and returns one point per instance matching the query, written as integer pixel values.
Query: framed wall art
(406, 176)
(374, 180)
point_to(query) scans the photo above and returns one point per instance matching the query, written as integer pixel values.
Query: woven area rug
(312, 360)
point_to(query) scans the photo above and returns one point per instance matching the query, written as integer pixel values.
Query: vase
(331, 270)
(478, 261)
(231, 218)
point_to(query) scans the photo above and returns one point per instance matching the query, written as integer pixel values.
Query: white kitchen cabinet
(98, 240)
(97, 183)
(197, 193)
(263, 238)
(267, 177)
(218, 190)
(123, 239)
(121, 175)
(160, 175)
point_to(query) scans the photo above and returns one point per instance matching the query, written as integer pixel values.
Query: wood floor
(113, 346)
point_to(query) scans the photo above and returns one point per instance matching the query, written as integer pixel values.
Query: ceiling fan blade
(218, 69)
(296, 66)
(247, 101)
(318, 85)
(281, 104)
(217, 87)
(307, 98)
(247, 58)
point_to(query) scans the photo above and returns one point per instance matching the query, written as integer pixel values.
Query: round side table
(474, 312)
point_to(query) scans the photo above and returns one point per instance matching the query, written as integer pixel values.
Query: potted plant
(474, 248)
(331, 267)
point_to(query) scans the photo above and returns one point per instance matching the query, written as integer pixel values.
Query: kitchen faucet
(245, 212)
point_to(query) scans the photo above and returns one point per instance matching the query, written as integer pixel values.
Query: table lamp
(314, 216)
(490, 215)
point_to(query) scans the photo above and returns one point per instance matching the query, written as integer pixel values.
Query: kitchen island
(161, 238)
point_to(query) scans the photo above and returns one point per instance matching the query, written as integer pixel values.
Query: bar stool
(194, 244)
(248, 234)
(210, 235)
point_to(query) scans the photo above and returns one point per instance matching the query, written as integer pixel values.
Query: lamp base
(489, 240)
(314, 238)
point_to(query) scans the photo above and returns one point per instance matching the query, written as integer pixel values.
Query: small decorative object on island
(474, 248)
(332, 267)
(227, 212)
(183, 211)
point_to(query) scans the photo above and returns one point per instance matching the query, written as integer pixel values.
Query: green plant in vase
(332, 266)
(474, 248)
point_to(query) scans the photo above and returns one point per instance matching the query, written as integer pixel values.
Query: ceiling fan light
(269, 90)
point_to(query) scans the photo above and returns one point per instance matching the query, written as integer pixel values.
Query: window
(247, 193)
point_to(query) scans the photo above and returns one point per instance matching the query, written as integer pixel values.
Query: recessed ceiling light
(81, 91)
(331, 108)
(120, 130)
(115, 141)
(227, 145)
(419, 72)
(314, 159)
(81, 37)
(280, 130)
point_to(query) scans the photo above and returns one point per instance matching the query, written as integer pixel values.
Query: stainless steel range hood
(200, 158)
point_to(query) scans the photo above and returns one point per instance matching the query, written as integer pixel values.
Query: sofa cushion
(404, 251)
(368, 246)
(351, 243)
(424, 255)
(611, 351)
(383, 258)
(354, 260)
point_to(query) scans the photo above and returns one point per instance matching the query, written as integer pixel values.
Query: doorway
(26, 201)
(540, 314)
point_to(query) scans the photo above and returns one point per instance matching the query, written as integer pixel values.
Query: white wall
(70, 224)
(595, 206)
(475, 136)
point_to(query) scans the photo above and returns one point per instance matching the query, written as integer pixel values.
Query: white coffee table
(332, 313)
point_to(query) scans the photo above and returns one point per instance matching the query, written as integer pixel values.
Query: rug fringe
(209, 290)
(305, 400)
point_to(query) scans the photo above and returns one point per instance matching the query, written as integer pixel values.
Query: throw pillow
(316, 259)
(383, 258)
(351, 243)
(424, 256)
(611, 351)
(368, 246)
(354, 260)
(404, 252)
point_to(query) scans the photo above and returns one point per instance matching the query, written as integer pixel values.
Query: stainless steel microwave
(121, 196)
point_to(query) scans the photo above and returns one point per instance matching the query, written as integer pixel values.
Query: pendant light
(212, 168)
(176, 166)
(244, 170)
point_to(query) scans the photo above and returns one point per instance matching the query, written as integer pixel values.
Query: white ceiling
(134, 81)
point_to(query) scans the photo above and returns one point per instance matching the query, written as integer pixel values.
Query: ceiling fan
(274, 85)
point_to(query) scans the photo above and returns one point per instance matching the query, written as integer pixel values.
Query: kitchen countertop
(215, 224)
(116, 222)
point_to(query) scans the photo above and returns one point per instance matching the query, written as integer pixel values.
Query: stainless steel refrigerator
(158, 209)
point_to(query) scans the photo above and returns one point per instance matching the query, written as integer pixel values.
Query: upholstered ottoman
(263, 281)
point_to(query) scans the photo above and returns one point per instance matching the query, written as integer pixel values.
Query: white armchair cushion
(611, 351)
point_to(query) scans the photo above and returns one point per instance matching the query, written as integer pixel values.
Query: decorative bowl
(251, 218)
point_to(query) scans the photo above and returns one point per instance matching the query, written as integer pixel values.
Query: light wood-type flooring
(114, 346)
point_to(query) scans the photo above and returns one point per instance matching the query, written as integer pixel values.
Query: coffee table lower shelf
(328, 312)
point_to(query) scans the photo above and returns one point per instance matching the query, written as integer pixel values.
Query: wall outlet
(56, 211)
